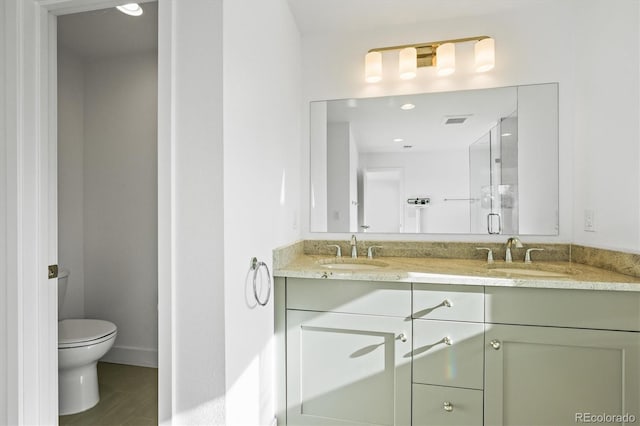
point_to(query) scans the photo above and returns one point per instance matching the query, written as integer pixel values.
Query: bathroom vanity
(444, 341)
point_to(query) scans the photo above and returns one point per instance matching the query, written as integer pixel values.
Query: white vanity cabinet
(395, 353)
(348, 352)
(552, 356)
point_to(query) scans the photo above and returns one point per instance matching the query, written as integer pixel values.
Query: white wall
(120, 202)
(536, 134)
(353, 182)
(196, 371)
(607, 154)
(449, 169)
(318, 177)
(4, 380)
(535, 43)
(262, 81)
(71, 179)
(339, 190)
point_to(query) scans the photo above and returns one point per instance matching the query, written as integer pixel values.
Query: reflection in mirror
(471, 162)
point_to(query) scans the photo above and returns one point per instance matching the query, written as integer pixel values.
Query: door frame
(29, 197)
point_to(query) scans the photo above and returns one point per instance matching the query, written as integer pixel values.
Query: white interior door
(31, 243)
(30, 368)
(383, 208)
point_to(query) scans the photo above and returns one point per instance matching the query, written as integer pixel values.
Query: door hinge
(53, 271)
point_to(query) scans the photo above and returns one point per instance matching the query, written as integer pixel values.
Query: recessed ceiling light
(408, 146)
(506, 134)
(132, 9)
(398, 140)
(407, 106)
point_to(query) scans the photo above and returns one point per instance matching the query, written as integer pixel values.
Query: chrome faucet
(338, 249)
(354, 249)
(370, 251)
(510, 242)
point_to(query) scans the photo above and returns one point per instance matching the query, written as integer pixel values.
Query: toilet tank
(63, 278)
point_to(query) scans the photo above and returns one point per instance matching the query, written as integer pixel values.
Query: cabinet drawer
(448, 302)
(355, 297)
(429, 406)
(606, 310)
(459, 363)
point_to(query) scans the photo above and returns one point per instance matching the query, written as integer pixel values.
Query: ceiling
(376, 122)
(326, 16)
(108, 32)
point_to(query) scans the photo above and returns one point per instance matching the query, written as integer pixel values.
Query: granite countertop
(543, 274)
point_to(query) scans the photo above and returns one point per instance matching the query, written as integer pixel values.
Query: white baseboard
(141, 357)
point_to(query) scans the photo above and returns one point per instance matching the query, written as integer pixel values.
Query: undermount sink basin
(533, 271)
(351, 264)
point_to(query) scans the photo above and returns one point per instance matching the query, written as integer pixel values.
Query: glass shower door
(493, 179)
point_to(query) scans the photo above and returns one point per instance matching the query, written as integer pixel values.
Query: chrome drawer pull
(447, 303)
(495, 344)
(402, 337)
(448, 407)
(447, 341)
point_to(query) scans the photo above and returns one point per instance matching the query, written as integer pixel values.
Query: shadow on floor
(128, 396)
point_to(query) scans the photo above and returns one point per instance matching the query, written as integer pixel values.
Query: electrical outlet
(589, 220)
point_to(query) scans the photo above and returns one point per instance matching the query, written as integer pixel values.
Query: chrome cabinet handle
(402, 337)
(447, 303)
(495, 344)
(447, 341)
(448, 406)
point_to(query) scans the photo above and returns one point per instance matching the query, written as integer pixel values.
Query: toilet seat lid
(83, 330)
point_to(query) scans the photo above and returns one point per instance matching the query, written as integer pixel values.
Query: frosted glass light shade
(485, 54)
(446, 59)
(408, 63)
(373, 67)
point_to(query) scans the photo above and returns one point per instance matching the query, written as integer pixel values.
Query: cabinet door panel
(464, 406)
(546, 376)
(348, 369)
(458, 364)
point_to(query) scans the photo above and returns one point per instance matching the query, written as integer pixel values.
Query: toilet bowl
(81, 343)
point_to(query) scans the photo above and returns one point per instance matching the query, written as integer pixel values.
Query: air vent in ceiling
(455, 119)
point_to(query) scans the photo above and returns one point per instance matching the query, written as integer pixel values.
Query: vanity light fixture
(373, 67)
(485, 54)
(439, 54)
(132, 9)
(407, 63)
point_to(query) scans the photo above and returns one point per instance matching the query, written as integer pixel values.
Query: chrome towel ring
(255, 267)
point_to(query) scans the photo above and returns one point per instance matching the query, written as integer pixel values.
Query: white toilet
(81, 343)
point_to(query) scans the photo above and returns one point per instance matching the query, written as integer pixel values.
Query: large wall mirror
(466, 162)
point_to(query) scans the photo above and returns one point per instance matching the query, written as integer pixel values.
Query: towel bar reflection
(255, 267)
